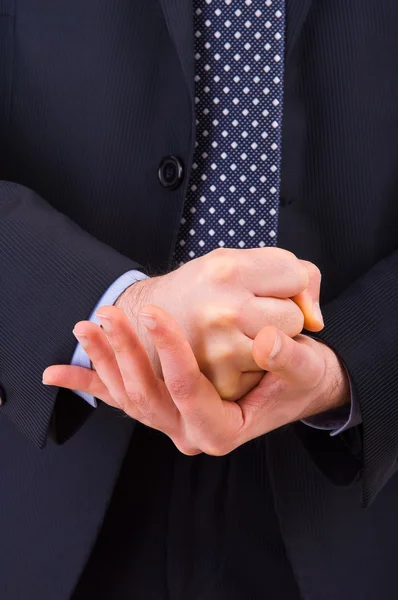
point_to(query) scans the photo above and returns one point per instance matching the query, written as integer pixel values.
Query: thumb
(308, 300)
(296, 361)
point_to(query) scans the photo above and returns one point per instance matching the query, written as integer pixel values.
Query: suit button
(2, 396)
(171, 172)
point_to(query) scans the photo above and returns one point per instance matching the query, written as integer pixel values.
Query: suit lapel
(296, 13)
(179, 20)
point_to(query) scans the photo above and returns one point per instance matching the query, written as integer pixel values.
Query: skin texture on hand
(304, 377)
(222, 300)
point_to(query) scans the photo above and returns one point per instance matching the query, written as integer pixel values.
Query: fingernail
(318, 313)
(105, 321)
(277, 346)
(81, 338)
(148, 320)
(44, 378)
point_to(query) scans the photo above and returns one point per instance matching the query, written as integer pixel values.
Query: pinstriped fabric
(6, 65)
(350, 188)
(7, 7)
(90, 145)
(373, 370)
(99, 100)
(297, 11)
(179, 19)
(25, 238)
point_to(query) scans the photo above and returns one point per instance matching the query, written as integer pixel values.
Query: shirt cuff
(80, 358)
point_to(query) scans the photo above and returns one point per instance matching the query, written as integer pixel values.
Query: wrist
(135, 296)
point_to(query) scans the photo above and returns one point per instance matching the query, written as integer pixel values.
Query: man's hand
(222, 300)
(304, 378)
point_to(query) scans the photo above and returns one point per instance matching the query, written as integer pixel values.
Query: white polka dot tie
(233, 196)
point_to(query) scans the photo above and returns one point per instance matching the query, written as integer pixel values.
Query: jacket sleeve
(51, 275)
(362, 328)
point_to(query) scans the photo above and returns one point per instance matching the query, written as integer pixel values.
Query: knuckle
(210, 316)
(284, 259)
(229, 318)
(291, 267)
(220, 266)
(226, 382)
(228, 391)
(284, 314)
(296, 274)
(222, 354)
(311, 268)
(139, 399)
(220, 253)
(315, 270)
(284, 255)
(215, 448)
(187, 450)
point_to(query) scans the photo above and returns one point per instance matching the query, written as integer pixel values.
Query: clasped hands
(212, 353)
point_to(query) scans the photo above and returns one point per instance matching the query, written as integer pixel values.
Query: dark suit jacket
(93, 95)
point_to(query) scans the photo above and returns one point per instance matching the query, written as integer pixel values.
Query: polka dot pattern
(233, 196)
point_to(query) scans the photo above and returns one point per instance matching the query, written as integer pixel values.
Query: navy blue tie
(233, 196)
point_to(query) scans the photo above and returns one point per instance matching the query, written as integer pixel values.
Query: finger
(99, 351)
(308, 300)
(284, 314)
(314, 285)
(219, 357)
(78, 378)
(225, 377)
(295, 361)
(242, 355)
(144, 390)
(195, 397)
(247, 381)
(271, 272)
(235, 377)
(224, 360)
